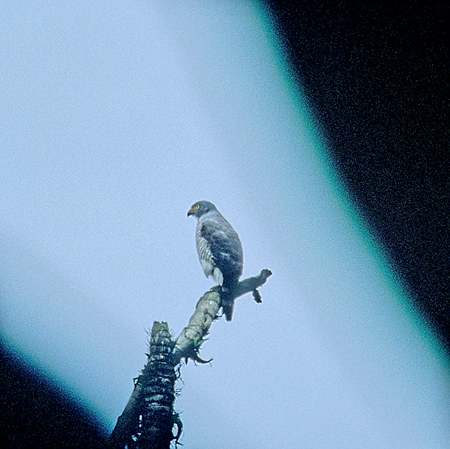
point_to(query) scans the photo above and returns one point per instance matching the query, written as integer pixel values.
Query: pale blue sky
(116, 117)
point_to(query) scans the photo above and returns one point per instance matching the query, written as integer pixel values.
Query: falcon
(219, 250)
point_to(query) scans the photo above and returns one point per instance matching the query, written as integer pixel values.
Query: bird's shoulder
(220, 237)
(215, 227)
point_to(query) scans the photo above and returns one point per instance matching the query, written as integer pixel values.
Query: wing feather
(219, 241)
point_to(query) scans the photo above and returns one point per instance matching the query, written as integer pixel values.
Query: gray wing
(206, 258)
(220, 244)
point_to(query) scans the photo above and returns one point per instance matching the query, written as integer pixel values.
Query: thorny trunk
(148, 418)
(158, 381)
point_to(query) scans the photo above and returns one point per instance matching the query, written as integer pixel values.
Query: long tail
(227, 300)
(228, 306)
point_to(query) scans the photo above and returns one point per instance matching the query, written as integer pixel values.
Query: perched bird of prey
(219, 250)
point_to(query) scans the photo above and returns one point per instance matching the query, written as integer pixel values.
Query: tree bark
(148, 418)
(158, 395)
(188, 343)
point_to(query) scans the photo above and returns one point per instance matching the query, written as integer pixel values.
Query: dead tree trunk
(148, 419)
(158, 395)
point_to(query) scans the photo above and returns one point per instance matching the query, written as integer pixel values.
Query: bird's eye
(197, 206)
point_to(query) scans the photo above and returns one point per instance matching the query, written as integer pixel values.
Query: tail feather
(227, 307)
(227, 300)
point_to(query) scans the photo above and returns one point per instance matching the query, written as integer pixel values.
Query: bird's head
(200, 208)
